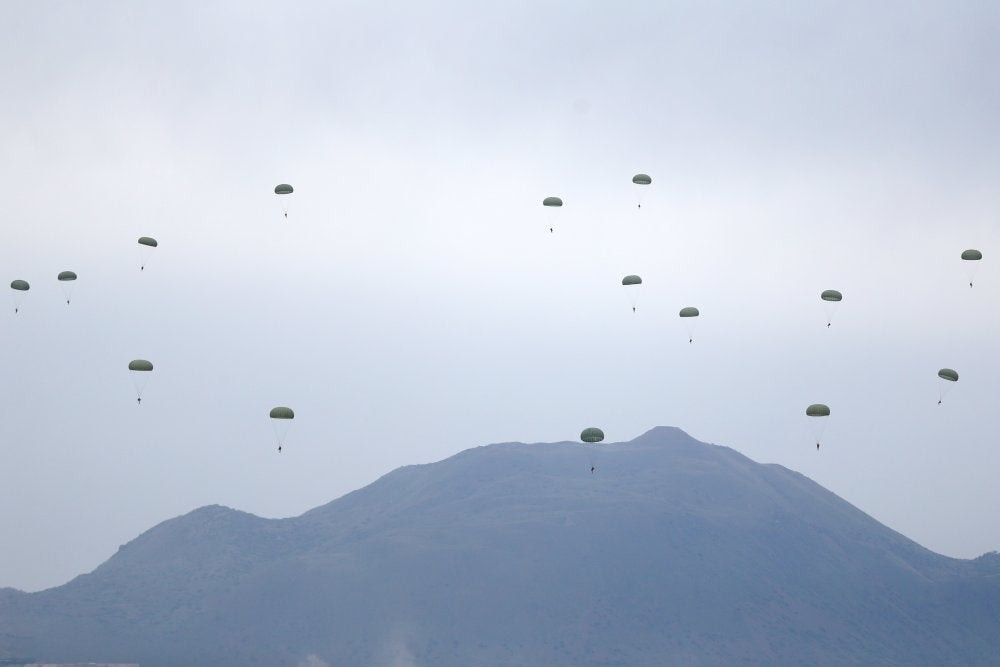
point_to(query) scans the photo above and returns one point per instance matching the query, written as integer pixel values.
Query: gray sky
(414, 303)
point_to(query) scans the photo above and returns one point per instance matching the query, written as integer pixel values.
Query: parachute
(281, 420)
(972, 255)
(146, 245)
(830, 297)
(948, 374)
(688, 315)
(139, 369)
(18, 286)
(66, 280)
(817, 414)
(553, 204)
(641, 179)
(591, 436)
(631, 284)
(284, 189)
(948, 380)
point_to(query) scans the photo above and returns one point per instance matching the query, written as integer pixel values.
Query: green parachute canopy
(948, 374)
(641, 179)
(552, 201)
(972, 254)
(283, 189)
(140, 365)
(592, 435)
(20, 285)
(631, 280)
(282, 413)
(147, 240)
(817, 410)
(689, 311)
(67, 275)
(831, 295)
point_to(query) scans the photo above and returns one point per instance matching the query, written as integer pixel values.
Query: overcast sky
(414, 304)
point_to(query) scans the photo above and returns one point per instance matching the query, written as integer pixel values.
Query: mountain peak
(665, 435)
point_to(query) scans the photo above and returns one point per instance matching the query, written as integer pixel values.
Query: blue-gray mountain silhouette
(672, 552)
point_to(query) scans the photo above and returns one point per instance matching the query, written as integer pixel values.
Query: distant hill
(672, 552)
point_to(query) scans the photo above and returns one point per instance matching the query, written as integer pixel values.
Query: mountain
(673, 552)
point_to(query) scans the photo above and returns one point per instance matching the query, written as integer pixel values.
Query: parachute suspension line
(278, 436)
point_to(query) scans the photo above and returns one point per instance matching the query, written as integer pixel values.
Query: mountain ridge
(673, 550)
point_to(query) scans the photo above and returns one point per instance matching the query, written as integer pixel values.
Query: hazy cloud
(414, 304)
